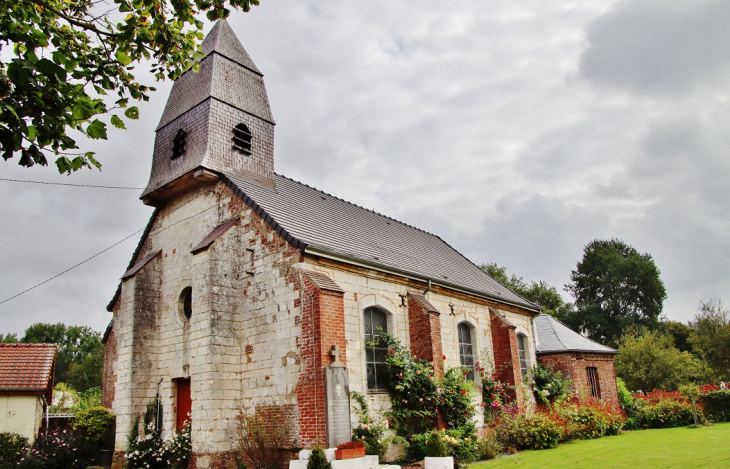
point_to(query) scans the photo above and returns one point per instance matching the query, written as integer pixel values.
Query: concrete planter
(439, 463)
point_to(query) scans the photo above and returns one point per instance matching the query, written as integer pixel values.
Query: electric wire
(72, 185)
(71, 268)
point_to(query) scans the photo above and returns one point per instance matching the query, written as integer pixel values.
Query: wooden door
(184, 403)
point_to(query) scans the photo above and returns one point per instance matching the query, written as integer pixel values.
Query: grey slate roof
(226, 73)
(223, 40)
(309, 218)
(556, 337)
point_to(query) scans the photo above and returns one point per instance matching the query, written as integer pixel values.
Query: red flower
(463, 391)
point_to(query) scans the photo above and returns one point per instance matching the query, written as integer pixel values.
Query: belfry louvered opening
(178, 144)
(242, 139)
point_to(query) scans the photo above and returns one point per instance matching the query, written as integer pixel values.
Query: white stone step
(367, 462)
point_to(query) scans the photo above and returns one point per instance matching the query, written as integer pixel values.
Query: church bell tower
(216, 120)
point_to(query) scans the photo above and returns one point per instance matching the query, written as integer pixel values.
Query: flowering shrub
(457, 394)
(586, 420)
(716, 404)
(549, 384)
(538, 431)
(351, 445)
(370, 431)
(464, 448)
(494, 397)
(12, 448)
(149, 450)
(663, 413)
(59, 450)
(412, 387)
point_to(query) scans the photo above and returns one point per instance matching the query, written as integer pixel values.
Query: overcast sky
(518, 131)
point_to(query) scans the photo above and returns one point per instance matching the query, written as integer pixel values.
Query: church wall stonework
(244, 324)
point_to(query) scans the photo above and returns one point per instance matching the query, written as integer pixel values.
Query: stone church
(247, 286)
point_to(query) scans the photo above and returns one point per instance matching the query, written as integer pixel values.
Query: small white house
(26, 386)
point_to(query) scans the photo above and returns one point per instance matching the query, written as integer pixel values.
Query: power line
(72, 185)
(72, 268)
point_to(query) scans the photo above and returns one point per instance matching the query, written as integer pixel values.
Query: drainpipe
(427, 289)
(158, 424)
(45, 411)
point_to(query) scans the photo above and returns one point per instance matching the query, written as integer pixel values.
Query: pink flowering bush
(59, 450)
(494, 397)
(371, 431)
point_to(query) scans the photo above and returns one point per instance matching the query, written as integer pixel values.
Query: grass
(670, 447)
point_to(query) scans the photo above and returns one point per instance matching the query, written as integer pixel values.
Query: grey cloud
(659, 47)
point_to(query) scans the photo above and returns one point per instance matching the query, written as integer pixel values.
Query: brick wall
(506, 357)
(424, 325)
(109, 378)
(574, 365)
(323, 325)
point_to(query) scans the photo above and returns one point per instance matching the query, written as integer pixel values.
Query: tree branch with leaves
(68, 66)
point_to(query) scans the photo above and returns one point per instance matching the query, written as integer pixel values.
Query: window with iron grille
(376, 352)
(242, 139)
(178, 144)
(522, 352)
(593, 382)
(466, 349)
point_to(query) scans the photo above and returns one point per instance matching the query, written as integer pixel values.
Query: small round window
(186, 302)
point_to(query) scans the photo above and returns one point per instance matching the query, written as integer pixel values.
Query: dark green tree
(615, 287)
(711, 337)
(681, 333)
(67, 65)
(80, 354)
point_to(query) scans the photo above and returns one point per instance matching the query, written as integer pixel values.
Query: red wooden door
(184, 403)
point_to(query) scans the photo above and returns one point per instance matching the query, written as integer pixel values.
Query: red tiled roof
(27, 368)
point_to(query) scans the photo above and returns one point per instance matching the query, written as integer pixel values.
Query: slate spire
(218, 119)
(223, 40)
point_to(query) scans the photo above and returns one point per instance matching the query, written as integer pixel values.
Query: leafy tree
(681, 334)
(649, 360)
(9, 338)
(615, 287)
(539, 292)
(711, 336)
(65, 62)
(80, 354)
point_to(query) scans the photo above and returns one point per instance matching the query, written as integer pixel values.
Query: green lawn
(670, 447)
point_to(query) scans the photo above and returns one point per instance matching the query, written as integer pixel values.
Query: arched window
(522, 349)
(375, 351)
(593, 382)
(178, 144)
(466, 349)
(185, 303)
(242, 139)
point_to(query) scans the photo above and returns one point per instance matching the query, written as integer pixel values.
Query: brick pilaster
(506, 357)
(323, 325)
